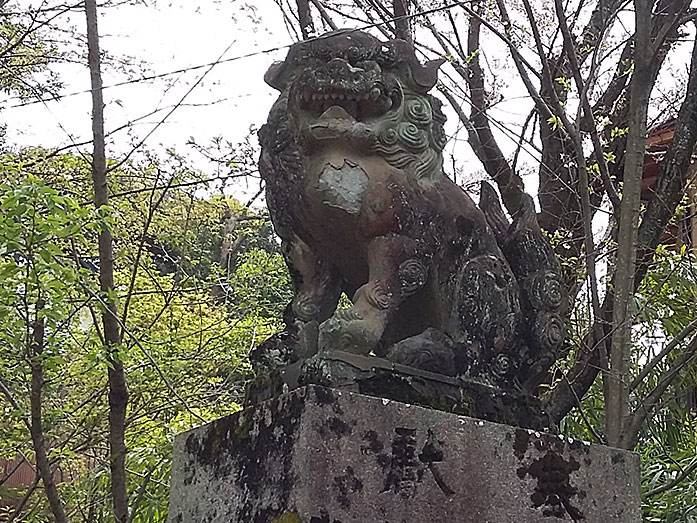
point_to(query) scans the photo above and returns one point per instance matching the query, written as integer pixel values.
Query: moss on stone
(287, 517)
(243, 429)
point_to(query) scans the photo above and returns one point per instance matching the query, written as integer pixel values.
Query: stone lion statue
(352, 160)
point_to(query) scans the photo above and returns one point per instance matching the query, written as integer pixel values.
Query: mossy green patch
(243, 429)
(287, 517)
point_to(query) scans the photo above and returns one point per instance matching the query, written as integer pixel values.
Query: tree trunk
(617, 390)
(401, 22)
(668, 193)
(671, 186)
(118, 393)
(305, 19)
(37, 433)
(692, 194)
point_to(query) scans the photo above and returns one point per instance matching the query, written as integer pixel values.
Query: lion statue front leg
(317, 290)
(392, 260)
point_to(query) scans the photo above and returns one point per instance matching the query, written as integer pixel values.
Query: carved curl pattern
(548, 330)
(389, 137)
(377, 296)
(501, 367)
(412, 137)
(412, 276)
(305, 308)
(418, 111)
(545, 291)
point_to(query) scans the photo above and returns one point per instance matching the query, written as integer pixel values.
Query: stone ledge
(316, 455)
(374, 376)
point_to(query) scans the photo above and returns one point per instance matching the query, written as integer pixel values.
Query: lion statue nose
(339, 69)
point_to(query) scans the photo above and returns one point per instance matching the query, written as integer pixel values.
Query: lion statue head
(348, 86)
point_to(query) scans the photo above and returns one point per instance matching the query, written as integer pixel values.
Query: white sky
(171, 37)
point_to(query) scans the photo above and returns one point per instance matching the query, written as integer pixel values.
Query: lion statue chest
(346, 200)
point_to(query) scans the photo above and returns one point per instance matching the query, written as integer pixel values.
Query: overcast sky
(173, 36)
(232, 96)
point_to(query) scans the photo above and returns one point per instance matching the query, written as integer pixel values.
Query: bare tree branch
(325, 16)
(306, 27)
(400, 10)
(674, 482)
(670, 347)
(630, 434)
(510, 184)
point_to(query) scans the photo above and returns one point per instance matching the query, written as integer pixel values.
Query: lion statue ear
(275, 76)
(427, 75)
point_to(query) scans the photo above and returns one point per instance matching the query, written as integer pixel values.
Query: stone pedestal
(317, 455)
(382, 378)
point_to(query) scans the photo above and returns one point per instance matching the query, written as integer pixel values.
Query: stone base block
(316, 455)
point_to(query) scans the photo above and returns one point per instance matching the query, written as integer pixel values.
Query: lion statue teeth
(352, 160)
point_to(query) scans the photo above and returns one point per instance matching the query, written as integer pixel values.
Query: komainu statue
(450, 303)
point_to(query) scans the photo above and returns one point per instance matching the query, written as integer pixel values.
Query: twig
(145, 352)
(585, 419)
(171, 111)
(141, 245)
(142, 489)
(659, 357)
(648, 404)
(8, 394)
(25, 499)
(585, 103)
(680, 477)
(325, 16)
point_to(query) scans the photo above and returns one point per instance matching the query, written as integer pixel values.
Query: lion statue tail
(543, 296)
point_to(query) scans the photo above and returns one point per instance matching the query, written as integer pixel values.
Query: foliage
(39, 229)
(184, 346)
(664, 306)
(25, 53)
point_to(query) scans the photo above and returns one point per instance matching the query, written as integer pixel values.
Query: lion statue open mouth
(352, 159)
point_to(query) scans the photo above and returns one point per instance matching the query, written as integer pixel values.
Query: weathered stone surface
(352, 157)
(386, 379)
(317, 455)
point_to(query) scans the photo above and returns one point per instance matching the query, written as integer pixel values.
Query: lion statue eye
(387, 56)
(354, 54)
